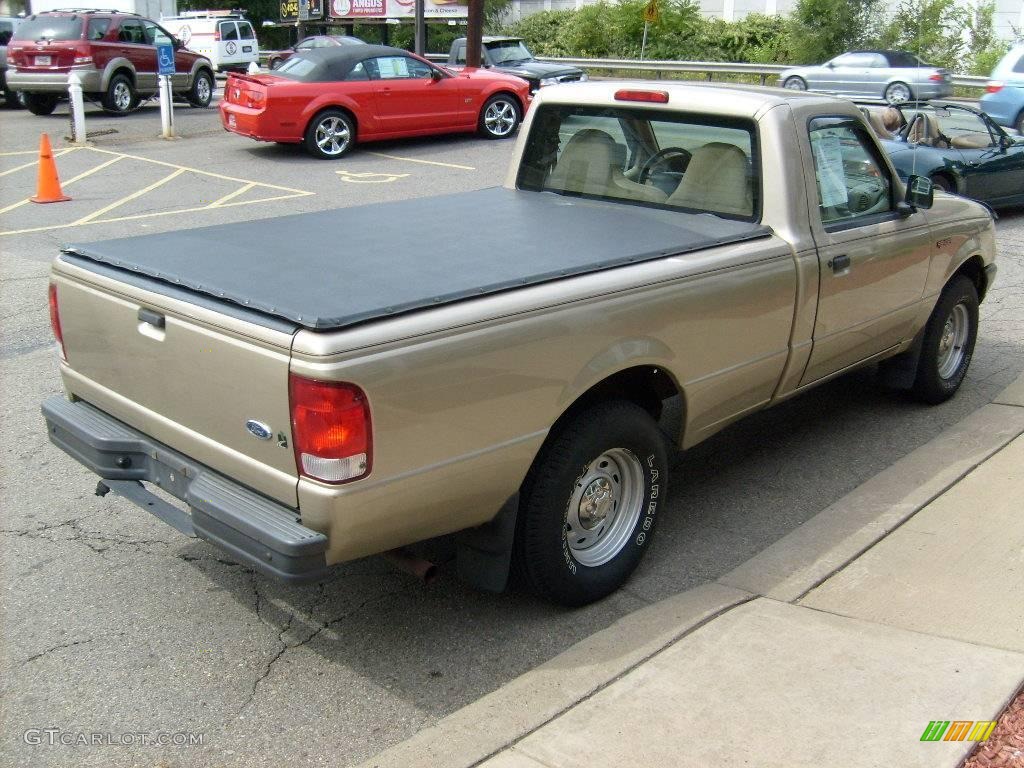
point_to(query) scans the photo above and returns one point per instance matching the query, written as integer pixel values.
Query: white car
(225, 38)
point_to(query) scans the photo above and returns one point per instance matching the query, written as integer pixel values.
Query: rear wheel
(1019, 123)
(201, 93)
(795, 84)
(948, 344)
(330, 135)
(898, 93)
(41, 103)
(499, 117)
(120, 98)
(588, 506)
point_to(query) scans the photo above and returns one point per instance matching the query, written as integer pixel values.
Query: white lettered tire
(589, 505)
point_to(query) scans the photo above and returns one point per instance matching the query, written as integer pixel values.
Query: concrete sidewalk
(898, 605)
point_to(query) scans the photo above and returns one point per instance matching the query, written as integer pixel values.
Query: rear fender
(115, 65)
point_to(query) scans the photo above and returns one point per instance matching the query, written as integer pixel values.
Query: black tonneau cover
(333, 269)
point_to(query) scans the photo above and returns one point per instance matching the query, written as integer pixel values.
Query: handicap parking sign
(165, 58)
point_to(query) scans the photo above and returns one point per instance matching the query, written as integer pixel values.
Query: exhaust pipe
(404, 560)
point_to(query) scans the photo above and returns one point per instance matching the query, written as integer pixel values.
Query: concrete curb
(485, 727)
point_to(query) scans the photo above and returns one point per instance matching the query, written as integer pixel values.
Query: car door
(873, 260)
(103, 47)
(249, 48)
(227, 43)
(409, 99)
(131, 36)
(851, 73)
(992, 167)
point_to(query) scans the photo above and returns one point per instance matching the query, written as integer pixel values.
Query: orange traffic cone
(48, 187)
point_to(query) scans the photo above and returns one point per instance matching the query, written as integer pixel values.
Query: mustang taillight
(254, 99)
(994, 86)
(55, 321)
(652, 97)
(331, 429)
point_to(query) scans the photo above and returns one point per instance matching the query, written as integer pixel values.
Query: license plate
(43, 61)
(231, 121)
(247, 48)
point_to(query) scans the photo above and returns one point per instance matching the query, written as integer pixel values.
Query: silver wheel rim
(897, 94)
(500, 118)
(202, 90)
(122, 96)
(332, 136)
(953, 340)
(605, 505)
(795, 84)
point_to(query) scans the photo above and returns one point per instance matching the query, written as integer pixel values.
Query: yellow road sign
(652, 14)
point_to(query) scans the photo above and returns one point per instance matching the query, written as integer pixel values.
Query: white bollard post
(166, 108)
(77, 108)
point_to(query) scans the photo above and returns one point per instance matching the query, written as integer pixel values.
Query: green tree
(822, 29)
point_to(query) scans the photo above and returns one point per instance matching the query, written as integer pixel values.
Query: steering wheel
(669, 155)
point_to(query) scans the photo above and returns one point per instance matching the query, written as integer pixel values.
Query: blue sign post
(165, 68)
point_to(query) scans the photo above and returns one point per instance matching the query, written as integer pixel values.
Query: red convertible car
(330, 98)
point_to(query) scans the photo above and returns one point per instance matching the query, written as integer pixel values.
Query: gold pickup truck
(322, 387)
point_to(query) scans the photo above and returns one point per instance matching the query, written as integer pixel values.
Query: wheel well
(974, 270)
(122, 71)
(335, 108)
(646, 385)
(949, 178)
(522, 108)
(207, 70)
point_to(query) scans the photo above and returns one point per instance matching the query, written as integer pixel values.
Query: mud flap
(484, 553)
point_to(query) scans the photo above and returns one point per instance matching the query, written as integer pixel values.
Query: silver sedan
(895, 76)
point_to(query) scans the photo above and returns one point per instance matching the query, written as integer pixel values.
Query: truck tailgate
(181, 373)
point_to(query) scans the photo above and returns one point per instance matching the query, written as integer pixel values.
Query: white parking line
(424, 162)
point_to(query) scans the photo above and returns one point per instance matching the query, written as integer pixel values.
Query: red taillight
(936, 78)
(654, 97)
(994, 86)
(216, 35)
(55, 321)
(331, 429)
(254, 99)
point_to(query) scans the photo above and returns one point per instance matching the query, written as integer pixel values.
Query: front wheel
(795, 84)
(330, 135)
(948, 344)
(40, 103)
(1018, 124)
(589, 504)
(499, 117)
(201, 93)
(898, 93)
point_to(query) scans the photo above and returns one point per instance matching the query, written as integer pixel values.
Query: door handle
(839, 263)
(150, 317)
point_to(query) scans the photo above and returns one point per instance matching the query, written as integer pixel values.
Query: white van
(226, 38)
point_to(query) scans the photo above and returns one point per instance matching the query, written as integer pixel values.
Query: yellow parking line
(232, 195)
(58, 153)
(67, 183)
(129, 198)
(202, 173)
(424, 162)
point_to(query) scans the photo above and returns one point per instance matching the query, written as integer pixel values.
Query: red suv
(113, 53)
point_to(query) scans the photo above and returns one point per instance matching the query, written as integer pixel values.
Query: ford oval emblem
(258, 429)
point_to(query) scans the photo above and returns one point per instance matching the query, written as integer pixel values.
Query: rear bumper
(53, 82)
(253, 529)
(251, 123)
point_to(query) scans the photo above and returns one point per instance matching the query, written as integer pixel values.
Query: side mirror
(920, 192)
(178, 45)
(830, 65)
(436, 74)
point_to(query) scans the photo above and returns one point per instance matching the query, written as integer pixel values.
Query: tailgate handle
(152, 318)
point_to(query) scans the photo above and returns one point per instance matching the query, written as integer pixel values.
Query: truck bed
(324, 270)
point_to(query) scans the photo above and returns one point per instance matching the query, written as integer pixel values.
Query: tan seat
(874, 119)
(971, 141)
(716, 180)
(591, 164)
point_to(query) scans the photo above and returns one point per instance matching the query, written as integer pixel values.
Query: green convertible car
(960, 148)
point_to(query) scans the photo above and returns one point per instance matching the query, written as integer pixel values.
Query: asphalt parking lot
(116, 625)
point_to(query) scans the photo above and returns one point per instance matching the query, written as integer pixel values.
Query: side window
(245, 30)
(228, 30)
(130, 31)
(358, 72)
(1019, 66)
(460, 54)
(399, 68)
(155, 34)
(97, 29)
(418, 69)
(852, 180)
(305, 45)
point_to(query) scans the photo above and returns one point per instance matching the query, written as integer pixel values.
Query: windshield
(50, 28)
(667, 160)
(509, 51)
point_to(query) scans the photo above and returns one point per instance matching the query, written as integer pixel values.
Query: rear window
(905, 60)
(50, 28)
(245, 30)
(6, 31)
(296, 68)
(685, 162)
(1019, 66)
(228, 31)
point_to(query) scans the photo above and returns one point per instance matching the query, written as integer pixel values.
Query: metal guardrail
(708, 68)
